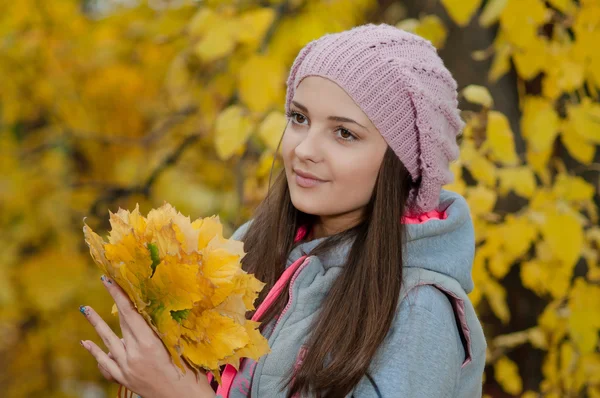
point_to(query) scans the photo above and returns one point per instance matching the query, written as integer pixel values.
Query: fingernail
(83, 344)
(83, 309)
(103, 278)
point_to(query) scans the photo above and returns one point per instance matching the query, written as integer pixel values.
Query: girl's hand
(139, 361)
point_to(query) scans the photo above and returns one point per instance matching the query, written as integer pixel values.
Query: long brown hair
(368, 285)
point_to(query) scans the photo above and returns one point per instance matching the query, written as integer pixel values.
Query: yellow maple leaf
(186, 280)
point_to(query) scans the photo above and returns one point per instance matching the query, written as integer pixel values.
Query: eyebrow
(336, 118)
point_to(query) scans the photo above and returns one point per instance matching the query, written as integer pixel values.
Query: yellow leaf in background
(591, 366)
(562, 74)
(567, 364)
(564, 6)
(579, 148)
(458, 185)
(218, 42)
(564, 235)
(584, 322)
(51, 279)
(534, 276)
(520, 20)
(481, 169)
(408, 24)
(433, 29)
(539, 123)
(501, 62)
(521, 180)
(261, 82)
(572, 188)
(478, 95)
(496, 296)
(499, 264)
(532, 59)
(461, 11)
(271, 129)
(264, 164)
(585, 119)
(254, 24)
(518, 233)
(203, 21)
(500, 139)
(511, 340)
(537, 338)
(491, 12)
(507, 375)
(232, 129)
(481, 199)
(538, 162)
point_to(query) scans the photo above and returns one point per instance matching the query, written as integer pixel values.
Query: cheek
(287, 148)
(355, 179)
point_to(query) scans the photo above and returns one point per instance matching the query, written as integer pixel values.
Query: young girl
(366, 258)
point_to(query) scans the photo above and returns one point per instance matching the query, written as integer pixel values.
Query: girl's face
(329, 137)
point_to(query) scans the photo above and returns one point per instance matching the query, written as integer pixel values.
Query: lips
(307, 180)
(307, 175)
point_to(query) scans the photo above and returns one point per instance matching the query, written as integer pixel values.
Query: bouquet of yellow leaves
(186, 280)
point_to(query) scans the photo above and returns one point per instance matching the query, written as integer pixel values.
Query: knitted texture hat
(399, 81)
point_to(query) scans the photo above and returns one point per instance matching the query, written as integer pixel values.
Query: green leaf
(153, 249)
(180, 315)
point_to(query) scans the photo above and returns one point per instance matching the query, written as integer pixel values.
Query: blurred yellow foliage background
(108, 103)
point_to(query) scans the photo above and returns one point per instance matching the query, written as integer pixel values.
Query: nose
(309, 146)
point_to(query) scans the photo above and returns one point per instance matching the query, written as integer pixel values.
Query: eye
(296, 117)
(346, 135)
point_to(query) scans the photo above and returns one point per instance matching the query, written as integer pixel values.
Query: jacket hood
(445, 245)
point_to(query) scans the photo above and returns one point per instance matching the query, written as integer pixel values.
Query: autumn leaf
(179, 274)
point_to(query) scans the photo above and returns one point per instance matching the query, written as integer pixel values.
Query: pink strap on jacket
(230, 371)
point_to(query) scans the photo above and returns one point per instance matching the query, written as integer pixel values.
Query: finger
(110, 339)
(111, 367)
(131, 320)
(105, 373)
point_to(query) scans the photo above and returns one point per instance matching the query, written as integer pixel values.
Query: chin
(309, 204)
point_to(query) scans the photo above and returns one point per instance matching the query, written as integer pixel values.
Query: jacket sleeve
(422, 355)
(241, 231)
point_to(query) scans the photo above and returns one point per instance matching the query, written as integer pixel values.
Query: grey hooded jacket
(435, 347)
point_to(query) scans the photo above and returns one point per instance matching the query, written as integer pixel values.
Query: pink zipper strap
(423, 217)
(230, 371)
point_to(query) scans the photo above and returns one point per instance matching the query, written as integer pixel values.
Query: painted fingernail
(83, 309)
(105, 279)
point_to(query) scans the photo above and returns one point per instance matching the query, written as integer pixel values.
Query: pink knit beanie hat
(400, 82)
